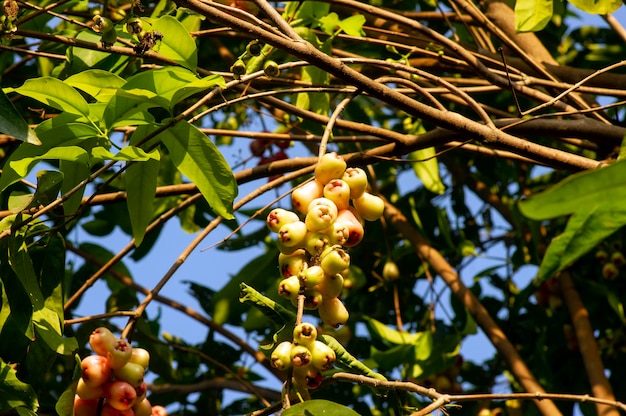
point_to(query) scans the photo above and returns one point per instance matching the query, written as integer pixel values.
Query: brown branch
(485, 321)
(217, 383)
(588, 347)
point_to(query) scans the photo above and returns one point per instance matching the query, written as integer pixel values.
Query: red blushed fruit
(302, 196)
(300, 356)
(338, 191)
(312, 299)
(258, 146)
(120, 394)
(102, 340)
(333, 312)
(141, 391)
(96, 370)
(142, 408)
(279, 217)
(355, 229)
(338, 233)
(313, 378)
(331, 166)
(120, 354)
(356, 178)
(84, 407)
(369, 206)
(108, 410)
(159, 411)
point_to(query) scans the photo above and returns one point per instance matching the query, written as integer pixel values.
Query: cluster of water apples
(112, 382)
(328, 217)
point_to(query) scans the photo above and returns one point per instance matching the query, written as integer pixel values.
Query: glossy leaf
(199, 159)
(581, 191)
(73, 174)
(141, 182)
(597, 6)
(177, 43)
(427, 169)
(22, 266)
(128, 108)
(13, 124)
(346, 360)
(381, 331)
(48, 186)
(98, 83)
(48, 328)
(318, 102)
(81, 59)
(13, 392)
(54, 93)
(532, 15)
(319, 407)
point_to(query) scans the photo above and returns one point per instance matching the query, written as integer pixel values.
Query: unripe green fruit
(120, 354)
(102, 24)
(348, 218)
(331, 166)
(134, 26)
(304, 334)
(281, 356)
(302, 196)
(293, 264)
(131, 373)
(316, 242)
(109, 38)
(333, 312)
(140, 356)
(142, 408)
(390, 271)
(300, 356)
(610, 271)
(87, 392)
(602, 255)
(292, 234)
(254, 48)
(286, 250)
(270, 68)
(334, 260)
(312, 276)
(321, 214)
(356, 178)
(338, 191)
(290, 287)
(331, 286)
(322, 356)
(369, 206)
(238, 69)
(279, 217)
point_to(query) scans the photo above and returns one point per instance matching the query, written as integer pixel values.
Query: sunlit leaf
(98, 83)
(54, 93)
(199, 159)
(381, 331)
(532, 15)
(597, 6)
(177, 43)
(13, 392)
(319, 407)
(427, 169)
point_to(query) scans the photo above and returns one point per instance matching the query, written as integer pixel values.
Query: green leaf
(127, 108)
(48, 186)
(22, 265)
(346, 360)
(317, 102)
(532, 15)
(26, 156)
(171, 84)
(81, 59)
(381, 331)
(13, 392)
(66, 128)
(330, 23)
(65, 404)
(48, 328)
(98, 83)
(276, 312)
(427, 169)
(56, 94)
(73, 174)
(353, 25)
(197, 157)
(584, 231)
(177, 43)
(597, 6)
(141, 183)
(581, 191)
(13, 124)
(318, 407)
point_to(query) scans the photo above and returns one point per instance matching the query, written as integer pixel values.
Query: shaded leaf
(14, 393)
(319, 407)
(13, 124)
(141, 182)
